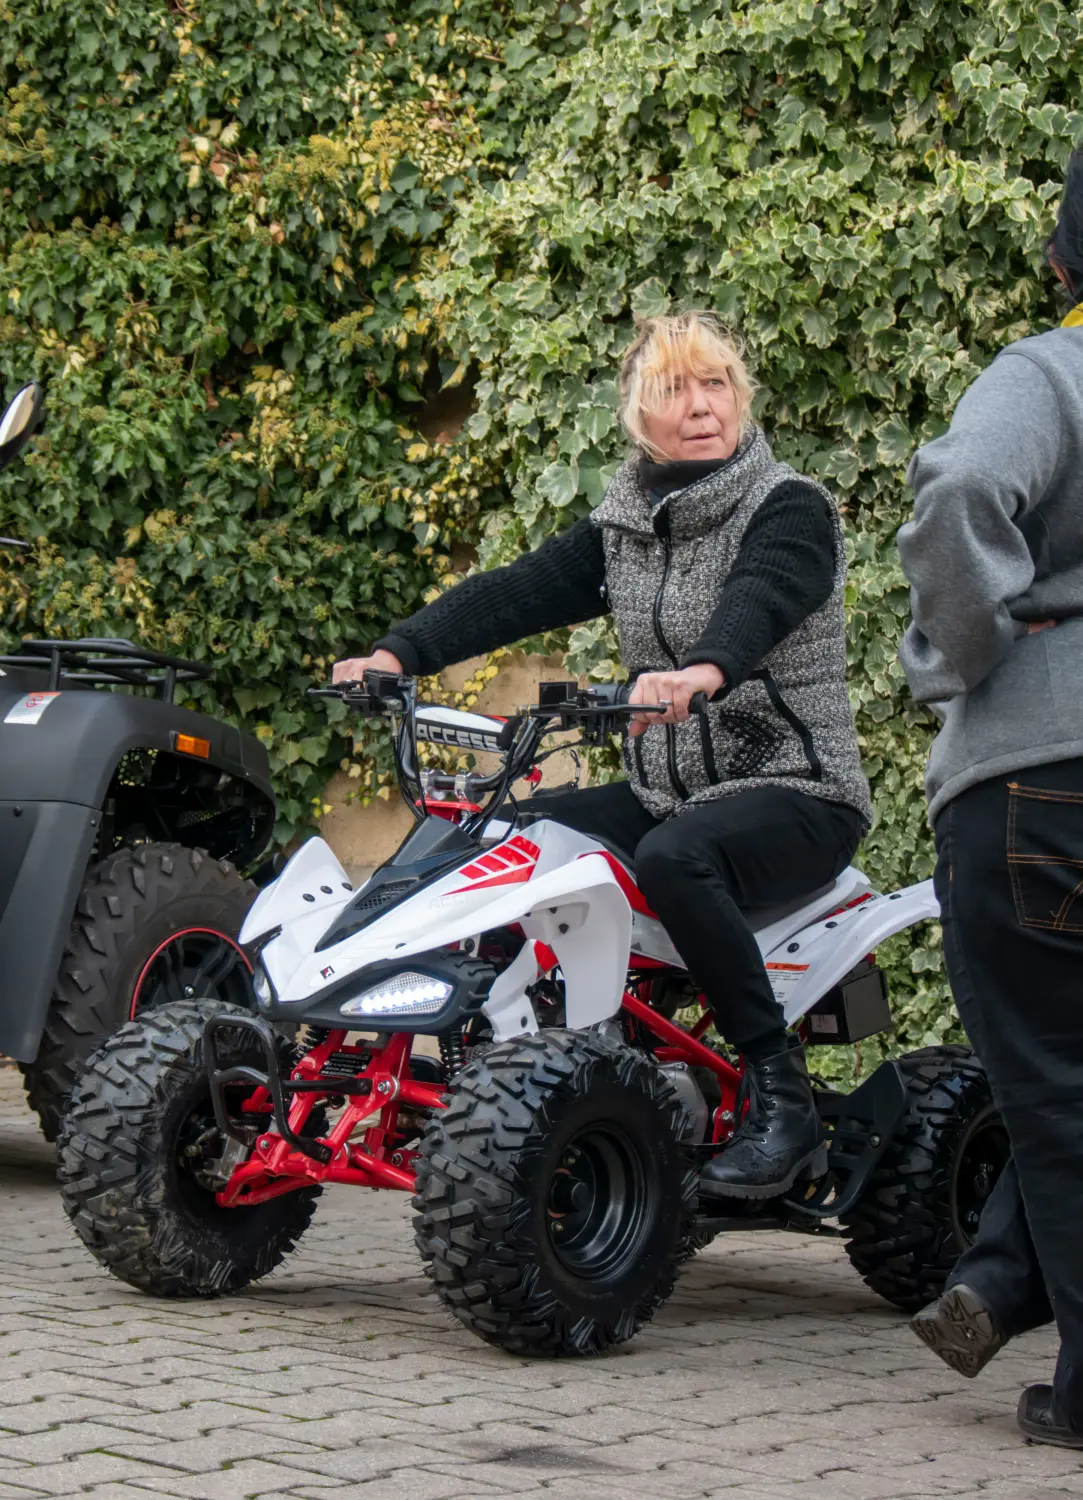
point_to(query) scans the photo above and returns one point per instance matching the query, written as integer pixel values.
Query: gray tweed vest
(789, 724)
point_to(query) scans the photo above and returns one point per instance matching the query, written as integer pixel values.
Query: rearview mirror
(19, 421)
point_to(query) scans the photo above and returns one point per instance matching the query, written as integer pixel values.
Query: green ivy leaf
(559, 483)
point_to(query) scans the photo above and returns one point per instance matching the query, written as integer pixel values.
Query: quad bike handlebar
(598, 711)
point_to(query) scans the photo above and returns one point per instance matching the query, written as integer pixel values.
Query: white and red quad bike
(553, 1145)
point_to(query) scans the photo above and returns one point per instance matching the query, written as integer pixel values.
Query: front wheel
(554, 1199)
(921, 1208)
(141, 1158)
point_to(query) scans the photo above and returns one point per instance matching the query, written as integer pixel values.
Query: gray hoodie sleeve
(963, 553)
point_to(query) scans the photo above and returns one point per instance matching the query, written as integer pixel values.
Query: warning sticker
(29, 709)
(783, 977)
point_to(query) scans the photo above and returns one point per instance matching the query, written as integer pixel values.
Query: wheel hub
(598, 1205)
(982, 1157)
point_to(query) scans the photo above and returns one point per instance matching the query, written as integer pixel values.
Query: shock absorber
(451, 1052)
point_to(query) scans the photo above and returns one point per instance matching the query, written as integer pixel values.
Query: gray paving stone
(772, 1374)
(119, 1491)
(87, 1469)
(250, 1476)
(415, 1484)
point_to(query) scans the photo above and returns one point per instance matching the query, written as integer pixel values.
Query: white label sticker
(29, 709)
(824, 1025)
(783, 977)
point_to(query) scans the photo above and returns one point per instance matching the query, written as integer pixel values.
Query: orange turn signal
(191, 744)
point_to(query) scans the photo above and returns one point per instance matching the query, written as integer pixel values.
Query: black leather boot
(781, 1138)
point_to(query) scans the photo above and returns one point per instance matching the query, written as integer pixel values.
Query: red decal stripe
(509, 863)
(627, 884)
(509, 877)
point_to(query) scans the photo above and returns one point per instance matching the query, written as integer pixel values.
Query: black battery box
(857, 1007)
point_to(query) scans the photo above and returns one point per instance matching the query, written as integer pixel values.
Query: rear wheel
(154, 924)
(554, 1199)
(141, 1158)
(921, 1208)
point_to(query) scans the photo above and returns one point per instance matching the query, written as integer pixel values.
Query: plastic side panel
(820, 955)
(851, 884)
(37, 913)
(311, 869)
(650, 939)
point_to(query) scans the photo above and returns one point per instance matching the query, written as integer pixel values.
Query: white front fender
(591, 935)
(589, 928)
(313, 883)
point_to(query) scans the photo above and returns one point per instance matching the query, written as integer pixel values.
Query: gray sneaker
(960, 1328)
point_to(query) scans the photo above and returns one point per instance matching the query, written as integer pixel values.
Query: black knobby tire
(556, 1128)
(921, 1207)
(129, 1159)
(164, 903)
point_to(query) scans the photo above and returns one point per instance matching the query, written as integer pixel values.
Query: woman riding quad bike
(725, 571)
(553, 1148)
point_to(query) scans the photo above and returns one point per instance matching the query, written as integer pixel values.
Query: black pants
(697, 871)
(1009, 879)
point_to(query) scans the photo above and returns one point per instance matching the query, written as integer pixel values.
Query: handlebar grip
(611, 694)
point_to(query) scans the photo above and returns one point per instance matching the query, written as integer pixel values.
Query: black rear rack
(106, 662)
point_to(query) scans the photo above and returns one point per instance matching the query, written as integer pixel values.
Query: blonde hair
(689, 343)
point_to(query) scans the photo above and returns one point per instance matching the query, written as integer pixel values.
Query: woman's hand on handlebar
(675, 688)
(353, 668)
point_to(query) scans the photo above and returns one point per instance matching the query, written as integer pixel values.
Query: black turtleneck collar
(660, 480)
(664, 479)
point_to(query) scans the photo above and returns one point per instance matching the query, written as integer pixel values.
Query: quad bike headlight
(262, 986)
(404, 994)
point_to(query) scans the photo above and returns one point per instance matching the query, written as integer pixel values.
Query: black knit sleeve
(558, 584)
(784, 570)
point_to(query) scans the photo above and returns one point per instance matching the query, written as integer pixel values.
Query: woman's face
(699, 420)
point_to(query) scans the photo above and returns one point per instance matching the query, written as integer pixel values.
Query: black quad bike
(125, 821)
(552, 1151)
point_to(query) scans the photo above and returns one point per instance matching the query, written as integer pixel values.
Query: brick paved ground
(773, 1374)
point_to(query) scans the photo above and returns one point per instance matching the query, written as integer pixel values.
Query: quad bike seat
(759, 917)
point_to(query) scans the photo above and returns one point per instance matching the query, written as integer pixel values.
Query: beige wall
(363, 837)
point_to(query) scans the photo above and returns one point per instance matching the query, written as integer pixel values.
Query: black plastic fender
(44, 850)
(70, 754)
(55, 774)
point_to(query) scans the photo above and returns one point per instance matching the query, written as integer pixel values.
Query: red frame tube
(273, 1168)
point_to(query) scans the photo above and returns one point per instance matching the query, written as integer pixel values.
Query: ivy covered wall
(254, 251)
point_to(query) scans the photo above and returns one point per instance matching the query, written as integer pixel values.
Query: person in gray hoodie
(994, 556)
